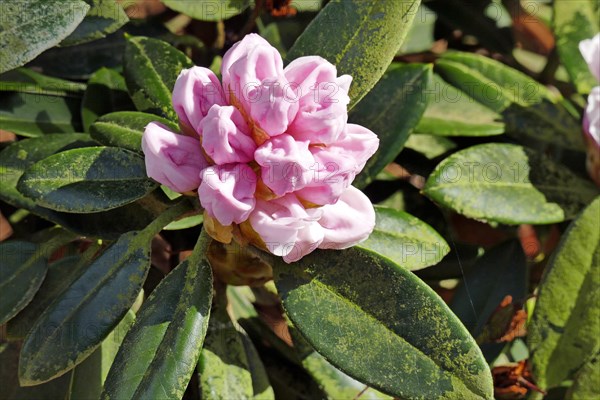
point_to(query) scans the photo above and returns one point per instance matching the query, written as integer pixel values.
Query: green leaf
(359, 37)
(31, 26)
(36, 113)
(208, 10)
(9, 381)
(431, 146)
(159, 353)
(381, 325)
(405, 239)
(106, 92)
(151, 68)
(391, 110)
(574, 22)
(89, 376)
(501, 271)
(125, 128)
(25, 80)
(103, 17)
(509, 184)
(224, 368)
(587, 381)
(531, 112)
(22, 271)
(563, 331)
(83, 315)
(451, 112)
(87, 180)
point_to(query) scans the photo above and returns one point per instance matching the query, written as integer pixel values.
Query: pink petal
(226, 136)
(227, 192)
(323, 99)
(347, 222)
(286, 164)
(196, 90)
(591, 117)
(590, 49)
(171, 159)
(286, 227)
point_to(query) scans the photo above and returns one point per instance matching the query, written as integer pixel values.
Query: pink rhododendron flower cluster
(269, 151)
(590, 49)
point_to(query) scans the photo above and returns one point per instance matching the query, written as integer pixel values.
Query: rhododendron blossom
(269, 151)
(590, 49)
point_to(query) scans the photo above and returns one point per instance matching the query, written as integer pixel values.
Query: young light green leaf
(151, 68)
(87, 180)
(405, 239)
(587, 381)
(359, 37)
(83, 315)
(563, 331)
(159, 353)
(509, 184)
(209, 10)
(345, 301)
(103, 17)
(125, 128)
(31, 26)
(106, 92)
(574, 22)
(391, 110)
(451, 112)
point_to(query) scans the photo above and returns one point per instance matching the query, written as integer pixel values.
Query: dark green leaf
(34, 113)
(89, 376)
(103, 17)
(451, 112)
(151, 69)
(359, 37)
(9, 381)
(209, 10)
(106, 92)
(85, 313)
(159, 353)
(28, 81)
(563, 331)
(125, 128)
(531, 112)
(574, 22)
(509, 184)
(405, 239)
(391, 110)
(87, 180)
(32, 26)
(380, 324)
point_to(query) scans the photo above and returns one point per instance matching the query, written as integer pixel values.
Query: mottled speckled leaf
(108, 225)
(125, 128)
(530, 111)
(31, 26)
(208, 10)
(509, 184)
(85, 313)
(451, 112)
(564, 327)
(151, 69)
(334, 382)
(226, 367)
(381, 325)
(87, 180)
(405, 239)
(587, 381)
(574, 21)
(38, 111)
(359, 37)
(159, 353)
(89, 376)
(391, 110)
(103, 17)
(106, 92)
